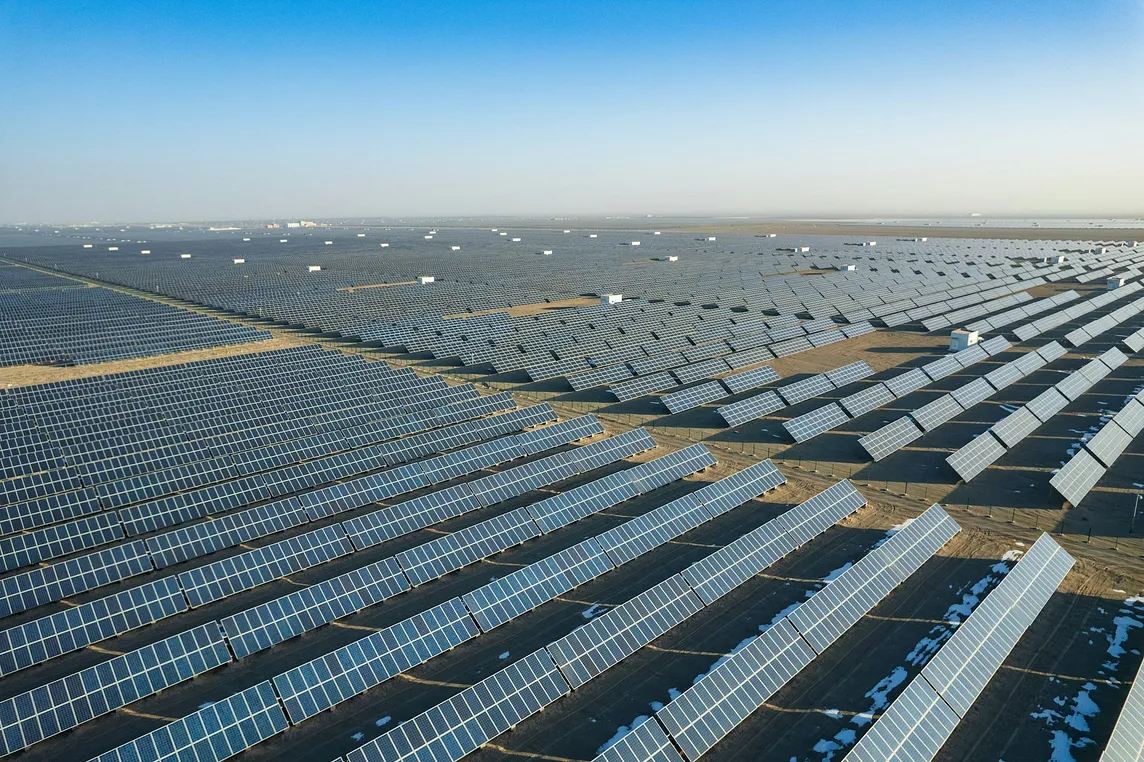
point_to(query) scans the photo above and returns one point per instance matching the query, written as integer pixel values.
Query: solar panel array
(1089, 464)
(47, 319)
(703, 714)
(1077, 480)
(759, 405)
(919, 721)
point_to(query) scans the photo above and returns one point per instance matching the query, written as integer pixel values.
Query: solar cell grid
(964, 665)
(453, 551)
(1077, 477)
(65, 703)
(890, 438)
(870, 398)
(212, 734)
(730, 566)
(803, 390)
(907, 382)
(524, 589)
(645, 743)
(1014, 427)
(1050, 402)
(976, 456)
(749, 409)
(606, 640)
(355, 668)
(255, 567)
(473, 717)
(810, 425)
(937, 412)
(46, 584)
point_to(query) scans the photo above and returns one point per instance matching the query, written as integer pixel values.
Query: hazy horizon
(132, 111)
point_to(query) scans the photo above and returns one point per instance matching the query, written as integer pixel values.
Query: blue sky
(216, 110)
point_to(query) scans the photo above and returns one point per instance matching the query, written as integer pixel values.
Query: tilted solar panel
(212, 734)
(965, 664)
(735, 563)
(524, 589)
(749, 409)
(1016, 426)
(867, 399)
(1077, 477)
(473, 717)
(353, 669)
(646, 742)
(1048, 403)
(890, 438)
(937, 412)
(303, 610)
(810, 425)
(975, 457)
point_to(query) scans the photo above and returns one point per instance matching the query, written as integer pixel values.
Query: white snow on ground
(1009, 408)
(383, 721)
(829, 749)
(623, 731)
(837, 572)
(594, 610)
(504, 655)
(1068, 719)
(892, 531)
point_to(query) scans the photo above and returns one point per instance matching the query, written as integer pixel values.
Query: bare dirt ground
(524, 310)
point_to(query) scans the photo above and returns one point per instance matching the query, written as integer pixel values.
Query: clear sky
(135, 111)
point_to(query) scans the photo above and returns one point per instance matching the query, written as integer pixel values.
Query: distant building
(962, 339)
(606, 299)
(425, 279)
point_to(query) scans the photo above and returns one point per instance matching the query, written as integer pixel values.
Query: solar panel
(803, 390)
(212, 734)
(410, 515)
(700, 370)
(686, 399)
(63, 704)
(1127, 741)
(810, 425)
(968, 660)
(1028, 362)
(976, 456)
(75, 628)
(1078, 476)
(639, 387)
(970, 394)
(523, 590)
(256, 567)
(831, 611)
(751, 408)
(438, 557)
(462, 724)
(1113, 358)
(937, 412)
(870, 398)
(913, 729)
(606, 640)
(750, 379)
(1073, 385)
(1016, 426)
(890, 438)
(903, 384)
(572, 505)
(353, 669)
(848, 374)
(1047, 404)
(1135, 341)
(225, 531)
(38, 545)
(735, 563)
(1078, 336)
(995, 345)
(741, 486)
(727, 694)
(1052, 351)
(970, 355)
(1006, 375)
(939, 369)
(741, 683)
(645, 742)
(46, 584)
(1131, 417)
(303, 610)
(598, 376)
